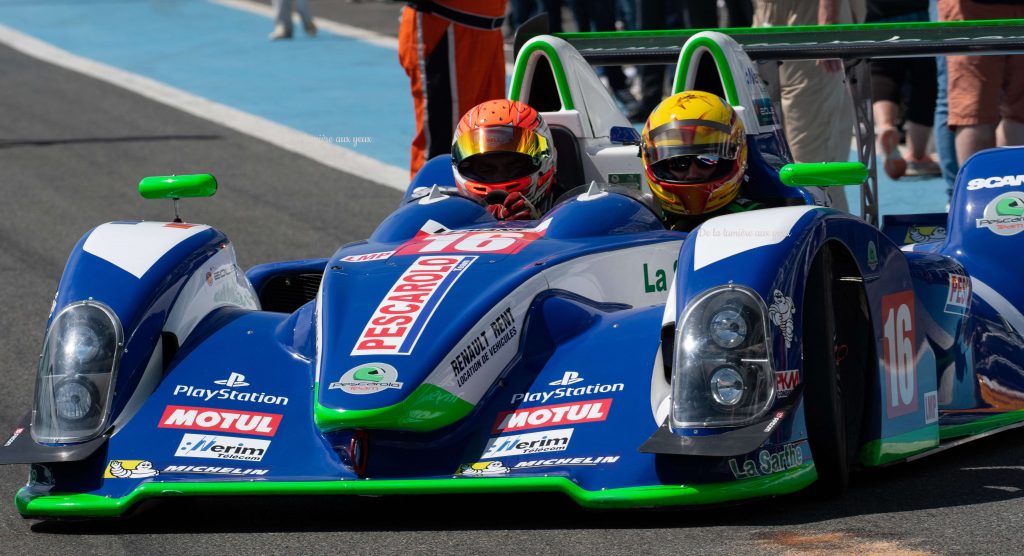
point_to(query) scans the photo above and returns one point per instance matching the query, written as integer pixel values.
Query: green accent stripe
(428, 408)
(91, 505)
(556, 67)
(901, 446)
(981, 425)
(737, 32)
(720, 60)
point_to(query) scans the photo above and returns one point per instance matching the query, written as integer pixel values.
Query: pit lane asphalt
(71, 152)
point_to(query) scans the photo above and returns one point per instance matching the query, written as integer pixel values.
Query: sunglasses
(682, 163)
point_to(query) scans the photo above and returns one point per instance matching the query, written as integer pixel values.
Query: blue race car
(591, 352)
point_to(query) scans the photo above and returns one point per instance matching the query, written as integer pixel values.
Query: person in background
(740, 13)
(817, 110)
(625, 12)
(283, 18)
(986, 93)
(522, 10)
(945, 142)
(503, 154)
(454, 55)
(599, 15)
(890, 77)
(667, 14)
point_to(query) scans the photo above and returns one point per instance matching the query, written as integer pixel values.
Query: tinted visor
(690, 168)
(689, 138)
(503, 139)
(497, 167)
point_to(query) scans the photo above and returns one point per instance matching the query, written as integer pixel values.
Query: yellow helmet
(695, 153)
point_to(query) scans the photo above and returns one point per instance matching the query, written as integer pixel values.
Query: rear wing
(851, 43)
(806, 42)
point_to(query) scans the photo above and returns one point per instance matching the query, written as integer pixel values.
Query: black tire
(824, 406)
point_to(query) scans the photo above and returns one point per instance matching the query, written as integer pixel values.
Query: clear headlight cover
(722, 371)
(76, 374)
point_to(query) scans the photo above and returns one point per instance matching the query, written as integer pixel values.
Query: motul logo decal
(553, 415)
(206, 419)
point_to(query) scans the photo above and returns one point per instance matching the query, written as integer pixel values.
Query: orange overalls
(453, 53)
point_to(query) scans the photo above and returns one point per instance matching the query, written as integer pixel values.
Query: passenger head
(695, 153)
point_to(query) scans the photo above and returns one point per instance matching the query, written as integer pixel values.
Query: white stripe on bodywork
(660, 387)
(999, 303)
(732, 234)
(135, 248)
(320, 328)
(608, 277)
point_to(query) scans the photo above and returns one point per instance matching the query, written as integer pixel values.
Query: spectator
(599, 15)
(986, 93)
(889, 78)
(817, 110)
(945, 144)
(454, 55)
(283, 18)
(625, 12)
(522, 10)
(740, 13)
(667, 14)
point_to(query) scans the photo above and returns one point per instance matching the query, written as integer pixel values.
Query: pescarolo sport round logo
(368, 379)
(1004, 215)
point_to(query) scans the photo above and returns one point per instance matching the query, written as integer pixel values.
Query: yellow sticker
(129, 469)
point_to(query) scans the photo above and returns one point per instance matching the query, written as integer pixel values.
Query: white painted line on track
(260, 128)
(335, 27)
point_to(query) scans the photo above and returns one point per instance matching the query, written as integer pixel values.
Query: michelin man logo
(921, 234)
(781, 313)
(130, 469)
(482, 469)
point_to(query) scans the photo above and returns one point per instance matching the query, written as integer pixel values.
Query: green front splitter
(91, 505)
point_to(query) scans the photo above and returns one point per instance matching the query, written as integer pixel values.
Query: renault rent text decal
(402, 315)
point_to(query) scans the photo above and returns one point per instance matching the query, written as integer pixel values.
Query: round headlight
(727, 328)
(80, 345)
(726, 386)
(75, 400)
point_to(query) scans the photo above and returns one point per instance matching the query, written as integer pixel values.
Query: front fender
(771, 251)
(158, 278)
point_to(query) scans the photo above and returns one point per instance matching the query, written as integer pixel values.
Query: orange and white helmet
(504, 145)
(695, 153)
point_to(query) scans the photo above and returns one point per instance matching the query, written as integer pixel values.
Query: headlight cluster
(722, 373)
(76, 373)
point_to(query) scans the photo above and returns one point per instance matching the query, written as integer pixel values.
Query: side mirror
(624, 135)
(823, 174)
(177, 187)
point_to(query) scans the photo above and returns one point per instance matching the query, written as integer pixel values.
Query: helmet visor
(497, 167)
(690, 138)
(499, 139)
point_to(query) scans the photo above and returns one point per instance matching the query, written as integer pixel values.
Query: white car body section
(135, 248)
(732, 234)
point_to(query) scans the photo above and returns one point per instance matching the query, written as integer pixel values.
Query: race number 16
(468, 242)
(898, 353)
